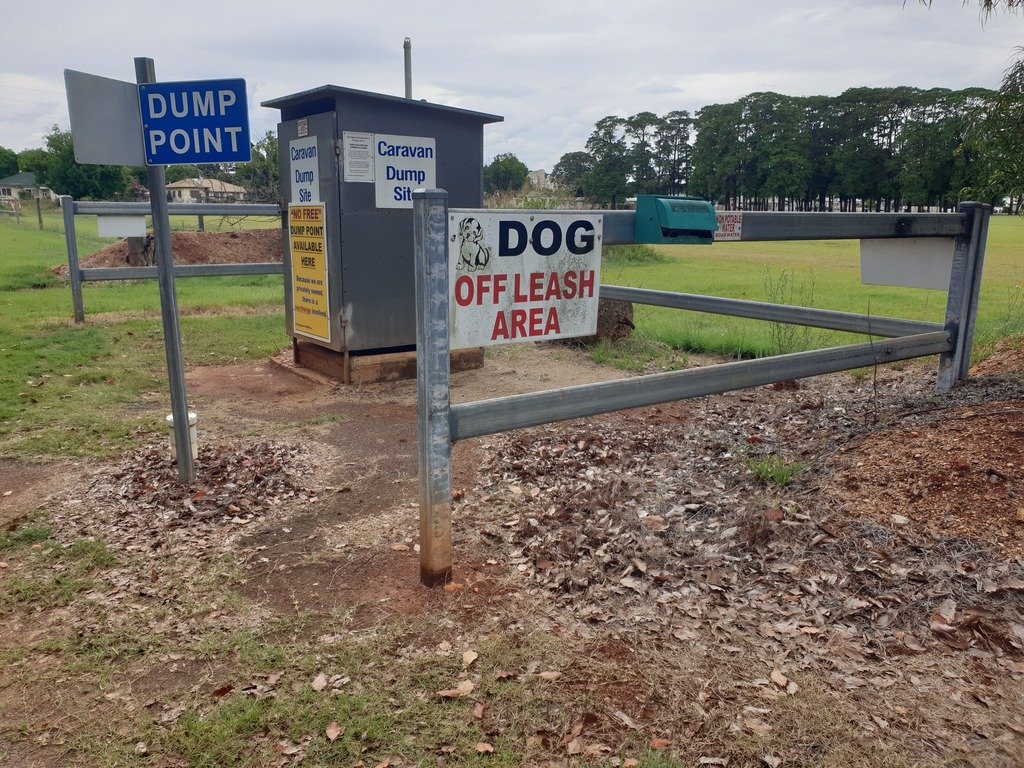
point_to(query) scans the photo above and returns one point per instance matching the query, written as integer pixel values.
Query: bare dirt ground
(867, 612)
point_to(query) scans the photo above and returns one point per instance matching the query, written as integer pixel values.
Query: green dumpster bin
(674, 220)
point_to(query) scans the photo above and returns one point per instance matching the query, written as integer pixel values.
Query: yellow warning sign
(307, 238)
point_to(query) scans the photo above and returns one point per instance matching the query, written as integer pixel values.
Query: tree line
(54, 166)
(880, 149)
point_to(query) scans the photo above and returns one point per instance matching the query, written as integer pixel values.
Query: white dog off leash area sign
(522, 277)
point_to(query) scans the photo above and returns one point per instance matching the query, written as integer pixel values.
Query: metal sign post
(541, 283)
(433, 374)
(156, 178)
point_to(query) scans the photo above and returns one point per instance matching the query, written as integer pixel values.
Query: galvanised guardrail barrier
(441, 423)
(70, 208)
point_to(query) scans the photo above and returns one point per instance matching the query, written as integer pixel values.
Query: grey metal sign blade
(106, 125)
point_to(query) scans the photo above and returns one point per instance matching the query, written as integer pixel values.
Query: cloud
(551, 68)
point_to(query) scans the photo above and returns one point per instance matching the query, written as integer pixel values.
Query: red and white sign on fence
(730, 225)
(522, 277)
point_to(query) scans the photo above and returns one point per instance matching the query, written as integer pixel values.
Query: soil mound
(244, 246)
(1008, 359)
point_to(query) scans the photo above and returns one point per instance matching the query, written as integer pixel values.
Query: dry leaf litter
(659, 526)
(175, 534)
(139, 505)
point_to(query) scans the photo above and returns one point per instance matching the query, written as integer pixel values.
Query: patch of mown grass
(72, 390)
(244, 731)
(387, 701)
(700, 332)
(31, 534)
(43, 592)
(774, 470)
(106, 643)
(57, 575)
(65, 392)
(88, 555)
(630, 255)
(223, 737)
(219, 223)
(29, 254)
(638, 355)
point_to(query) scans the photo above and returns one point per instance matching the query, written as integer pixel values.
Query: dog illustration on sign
(473, 253)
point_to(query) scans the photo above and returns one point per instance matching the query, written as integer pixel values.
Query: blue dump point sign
(195, 122)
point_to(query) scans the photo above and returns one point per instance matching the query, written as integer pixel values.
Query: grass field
(824, 274)
(68, 390)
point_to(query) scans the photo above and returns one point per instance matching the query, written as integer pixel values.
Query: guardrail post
(964, 288)
(433, 374)
(67, 209)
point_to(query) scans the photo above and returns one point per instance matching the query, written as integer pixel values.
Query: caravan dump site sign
(401, 164)
(516, 277)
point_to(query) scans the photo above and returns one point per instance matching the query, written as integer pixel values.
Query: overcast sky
(552, 68)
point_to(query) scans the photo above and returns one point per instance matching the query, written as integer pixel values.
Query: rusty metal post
(433, 374)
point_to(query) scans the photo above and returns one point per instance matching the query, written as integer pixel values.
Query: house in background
(204, 191)
(11, 187)
(540, 179)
